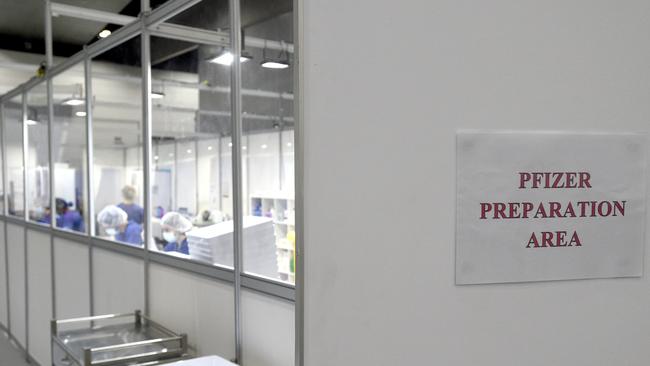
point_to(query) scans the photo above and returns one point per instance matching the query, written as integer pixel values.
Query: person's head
(128, 194)
(61, 206)
(174, 226)
(113, 219)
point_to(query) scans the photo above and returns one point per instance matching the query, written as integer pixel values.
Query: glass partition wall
(149, 155)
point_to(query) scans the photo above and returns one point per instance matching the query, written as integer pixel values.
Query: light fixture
(270, 64)
(189, 151)
(105, 33)
(31, 122)
(155, 157)
(243, 147)
(230, 144)
(281, 62)
(226, 58)
(74, 101)
(264, 146)
(209, 148)
(157, 95)
(80, 114)
(289, 144)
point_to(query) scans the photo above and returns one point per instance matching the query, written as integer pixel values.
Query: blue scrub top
(135, 212)
(183, 248)
(70, 220)
(132, 234)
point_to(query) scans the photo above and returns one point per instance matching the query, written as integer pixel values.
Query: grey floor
(10, 355)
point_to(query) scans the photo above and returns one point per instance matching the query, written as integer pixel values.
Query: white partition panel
(118, 282)
(39, 287)
(17, 307)
(380, 233)
(268, 330)
(3, 278)
(201, 307)
(71, 274)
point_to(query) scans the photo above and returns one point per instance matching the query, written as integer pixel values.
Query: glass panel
(38, 171)
(267, 143)
(70, 151)
(117, 143)
(191, 120)
(13, 125)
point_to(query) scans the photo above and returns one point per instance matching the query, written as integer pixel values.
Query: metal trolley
(115, 340)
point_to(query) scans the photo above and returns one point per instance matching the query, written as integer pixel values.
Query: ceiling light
(289, 144)
(209, 148)
(74, 101)
(243, 147)
(157, 95)
(189, 151)
(31, 122)
(271, 64)
(226, 58)
(105, 33)
(230, 144)
(80, 114)
(264, 146)
(155, 157)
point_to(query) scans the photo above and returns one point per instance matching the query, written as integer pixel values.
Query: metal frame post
(235, 95)
(49, 53)
(5, 209)
(299, 163)
(26, 218)
(90, 202)
(145, 42)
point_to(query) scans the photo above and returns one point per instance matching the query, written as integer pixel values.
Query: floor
(10, 355)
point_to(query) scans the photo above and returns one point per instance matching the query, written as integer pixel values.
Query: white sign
(549, 206)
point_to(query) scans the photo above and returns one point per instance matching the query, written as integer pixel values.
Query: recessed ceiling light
(155, 157)
(157, 95)
(264, 146)
(189, 151)
(230, 144)
(243, 147)
(80, 114)
(209, 147)
(105, 33)
(31, 122)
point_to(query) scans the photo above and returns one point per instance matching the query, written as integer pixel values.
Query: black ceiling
(70, 35)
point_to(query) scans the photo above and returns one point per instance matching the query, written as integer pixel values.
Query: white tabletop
(204, 361)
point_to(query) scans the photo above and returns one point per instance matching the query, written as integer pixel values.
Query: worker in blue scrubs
(116, 224)
(134, 211)
(174, 229)
(65, 217)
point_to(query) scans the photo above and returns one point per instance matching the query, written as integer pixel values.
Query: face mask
(111, 231)
(169, 237)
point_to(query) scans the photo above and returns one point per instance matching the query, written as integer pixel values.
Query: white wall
(268, 330)
(118, 283)
(380, 231)
(201, 307)
(71, 276)
(3, 278)
(17, 307)
(39, 285)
